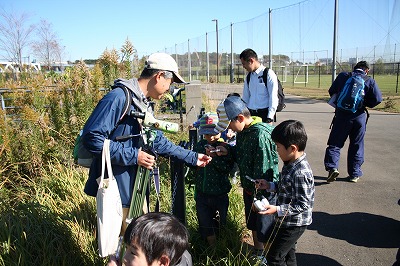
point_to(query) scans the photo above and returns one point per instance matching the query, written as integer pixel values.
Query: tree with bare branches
(15, 35)
(47, 46)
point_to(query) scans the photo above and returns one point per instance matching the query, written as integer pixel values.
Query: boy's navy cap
(208, 122)
(227, 110)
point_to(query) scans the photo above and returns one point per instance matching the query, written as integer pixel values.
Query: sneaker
(353, 179)
(258, 258)
(333, 173)
(261, 261)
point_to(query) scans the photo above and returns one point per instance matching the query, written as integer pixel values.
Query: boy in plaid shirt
(295, 191)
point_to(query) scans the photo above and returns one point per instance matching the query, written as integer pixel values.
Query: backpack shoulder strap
(127, 104)
(248, 79)
(265, 76)
(128, 100)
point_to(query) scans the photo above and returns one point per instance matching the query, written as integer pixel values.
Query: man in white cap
(159, 73)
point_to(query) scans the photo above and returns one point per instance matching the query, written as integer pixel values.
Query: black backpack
(281, 95)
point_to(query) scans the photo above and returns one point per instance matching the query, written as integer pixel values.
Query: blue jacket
(372, 97)
(123, 154)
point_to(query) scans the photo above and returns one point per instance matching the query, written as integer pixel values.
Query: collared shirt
(258, 95)
(295, 193)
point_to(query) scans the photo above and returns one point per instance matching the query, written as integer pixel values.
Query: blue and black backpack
(351, 96)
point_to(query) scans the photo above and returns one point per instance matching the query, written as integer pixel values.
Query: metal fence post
(178, 188)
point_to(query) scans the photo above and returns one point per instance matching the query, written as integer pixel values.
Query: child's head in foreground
(155, 238)
(291, 138)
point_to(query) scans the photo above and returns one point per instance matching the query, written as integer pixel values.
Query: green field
(317, 88)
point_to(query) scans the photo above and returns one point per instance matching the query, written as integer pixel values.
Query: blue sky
(87, 27)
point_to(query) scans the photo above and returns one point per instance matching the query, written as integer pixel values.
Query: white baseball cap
(163, 61)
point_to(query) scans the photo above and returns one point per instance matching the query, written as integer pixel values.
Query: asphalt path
(353, 223)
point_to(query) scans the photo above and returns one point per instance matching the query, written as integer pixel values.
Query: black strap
(333, 121)
(127, 104)
(128, 100)
(264, 77)
(366, 110)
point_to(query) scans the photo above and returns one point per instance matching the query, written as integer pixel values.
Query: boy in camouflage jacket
(257, 158)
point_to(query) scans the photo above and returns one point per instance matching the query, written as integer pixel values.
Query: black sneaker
(333, 173)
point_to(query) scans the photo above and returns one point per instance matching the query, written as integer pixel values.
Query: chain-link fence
(301, 38)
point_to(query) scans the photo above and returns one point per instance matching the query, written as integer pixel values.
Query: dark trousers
(352, 126)
(283, 248)
(207, 207)
(263, 113)
(260, 223)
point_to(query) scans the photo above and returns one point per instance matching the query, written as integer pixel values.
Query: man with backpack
(107, 122)
(351, 93)
(260, 91)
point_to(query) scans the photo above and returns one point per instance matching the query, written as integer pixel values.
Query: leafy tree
(379, 67)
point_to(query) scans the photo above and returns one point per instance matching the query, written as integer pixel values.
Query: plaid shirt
(296, 193)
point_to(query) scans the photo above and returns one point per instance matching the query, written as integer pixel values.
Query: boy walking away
(256, 156)
(156, 238)
(295, 189)
(350, 120)
(212, 182)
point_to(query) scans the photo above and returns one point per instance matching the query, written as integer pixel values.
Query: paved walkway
(353, 223)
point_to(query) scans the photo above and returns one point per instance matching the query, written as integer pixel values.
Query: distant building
(14, 67)
(353, 60)
(325, 61)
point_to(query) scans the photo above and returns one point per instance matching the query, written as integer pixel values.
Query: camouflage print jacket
(256, 154)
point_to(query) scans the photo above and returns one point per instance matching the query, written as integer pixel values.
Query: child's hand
(222, 151)
(271, 209)
(262, 184)
(210, 150)
(230, 134)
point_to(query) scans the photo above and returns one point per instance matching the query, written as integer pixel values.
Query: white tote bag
(109, 207)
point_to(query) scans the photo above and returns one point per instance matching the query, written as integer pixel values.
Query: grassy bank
(50, 221)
